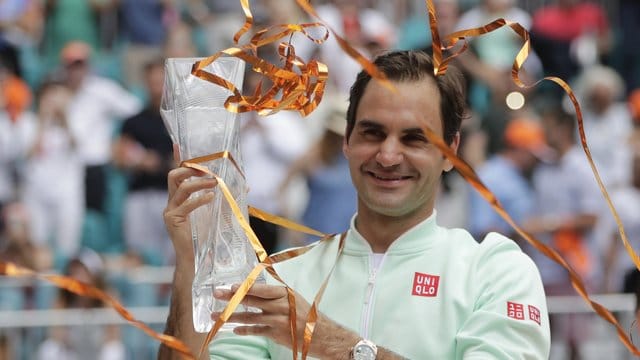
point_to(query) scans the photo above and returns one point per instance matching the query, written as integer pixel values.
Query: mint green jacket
(437, 294)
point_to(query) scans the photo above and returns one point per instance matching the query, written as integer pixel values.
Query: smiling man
(404, 287)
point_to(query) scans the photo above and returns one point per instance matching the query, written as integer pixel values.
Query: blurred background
(84, 153)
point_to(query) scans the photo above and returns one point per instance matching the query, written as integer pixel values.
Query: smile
(389, 177)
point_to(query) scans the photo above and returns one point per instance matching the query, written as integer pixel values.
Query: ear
(345, 147)
(448, 165)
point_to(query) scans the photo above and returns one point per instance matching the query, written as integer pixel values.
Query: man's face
(155, 83)
(393, 166)
(76, 72)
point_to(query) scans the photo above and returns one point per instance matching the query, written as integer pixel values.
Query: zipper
(367, 310)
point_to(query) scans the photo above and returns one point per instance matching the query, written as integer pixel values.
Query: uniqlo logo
(425, 285)
(534, 314)
(515, 310)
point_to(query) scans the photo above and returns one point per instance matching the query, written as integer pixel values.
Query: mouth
(388, 177)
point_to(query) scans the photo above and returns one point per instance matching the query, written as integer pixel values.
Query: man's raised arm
(176, 216)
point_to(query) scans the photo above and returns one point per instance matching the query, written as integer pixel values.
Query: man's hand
(183, 182)
(329, 340)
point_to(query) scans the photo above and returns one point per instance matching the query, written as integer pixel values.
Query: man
(144, 150)
(560, 27)
(412, 288)
(97, 104)
(568, 205)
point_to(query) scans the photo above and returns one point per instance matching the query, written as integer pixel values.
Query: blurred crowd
(84, 152)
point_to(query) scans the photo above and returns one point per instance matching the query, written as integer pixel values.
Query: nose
(390, 153)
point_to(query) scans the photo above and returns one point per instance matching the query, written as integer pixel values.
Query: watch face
(364, 352)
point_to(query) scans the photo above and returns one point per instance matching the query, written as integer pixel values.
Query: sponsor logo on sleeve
(515, 310)
(425, 285)
(534, 314)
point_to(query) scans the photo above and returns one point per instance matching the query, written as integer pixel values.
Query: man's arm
(329, 340)
(510, 319)
(176, 217)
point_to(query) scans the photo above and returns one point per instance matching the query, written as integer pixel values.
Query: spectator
(178, 42)
(144, 150)
(362, 26)
(144, 26)
(21, 31)
(332, 199)
(617, 263)
(60, 31)
(269, 146)
(491, 56)
(607, 122)
(53, 179)
(17, 95)
(96, 107)
(567, 208)
(16, 244)
(559, 27)
(82, 341)
(507, 175)
(452, 203)
(414, 30)
(219, 19)
(15, 120)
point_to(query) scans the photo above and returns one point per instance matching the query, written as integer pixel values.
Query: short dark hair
(415, 65)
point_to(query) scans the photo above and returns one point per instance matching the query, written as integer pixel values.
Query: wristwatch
(364, 350)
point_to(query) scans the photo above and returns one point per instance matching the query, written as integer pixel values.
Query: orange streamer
(83, 289)
(312, 317)
(467, 172)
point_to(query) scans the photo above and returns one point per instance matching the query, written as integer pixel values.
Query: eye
(372, 133)
(415, 138)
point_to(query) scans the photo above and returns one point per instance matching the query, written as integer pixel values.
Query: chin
(388, 209)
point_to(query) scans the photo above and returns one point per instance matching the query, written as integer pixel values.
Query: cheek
(359, 153)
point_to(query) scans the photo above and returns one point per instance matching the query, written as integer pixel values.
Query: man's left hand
(329, 340)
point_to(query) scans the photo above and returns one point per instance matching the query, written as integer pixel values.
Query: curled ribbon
(469, 174)
(300, 90)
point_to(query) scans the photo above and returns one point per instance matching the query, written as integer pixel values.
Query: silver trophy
(194, 114)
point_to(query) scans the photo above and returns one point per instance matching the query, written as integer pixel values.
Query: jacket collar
(420, 237)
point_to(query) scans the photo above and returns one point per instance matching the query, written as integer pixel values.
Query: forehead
(412, 104)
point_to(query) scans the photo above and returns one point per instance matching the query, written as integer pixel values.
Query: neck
(381, 231)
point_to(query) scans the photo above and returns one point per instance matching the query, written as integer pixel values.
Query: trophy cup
(194, 114)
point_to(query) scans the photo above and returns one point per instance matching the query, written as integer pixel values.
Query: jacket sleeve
(510, 319)
(229, 346)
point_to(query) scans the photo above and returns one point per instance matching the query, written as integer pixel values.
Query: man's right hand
(183, 182)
